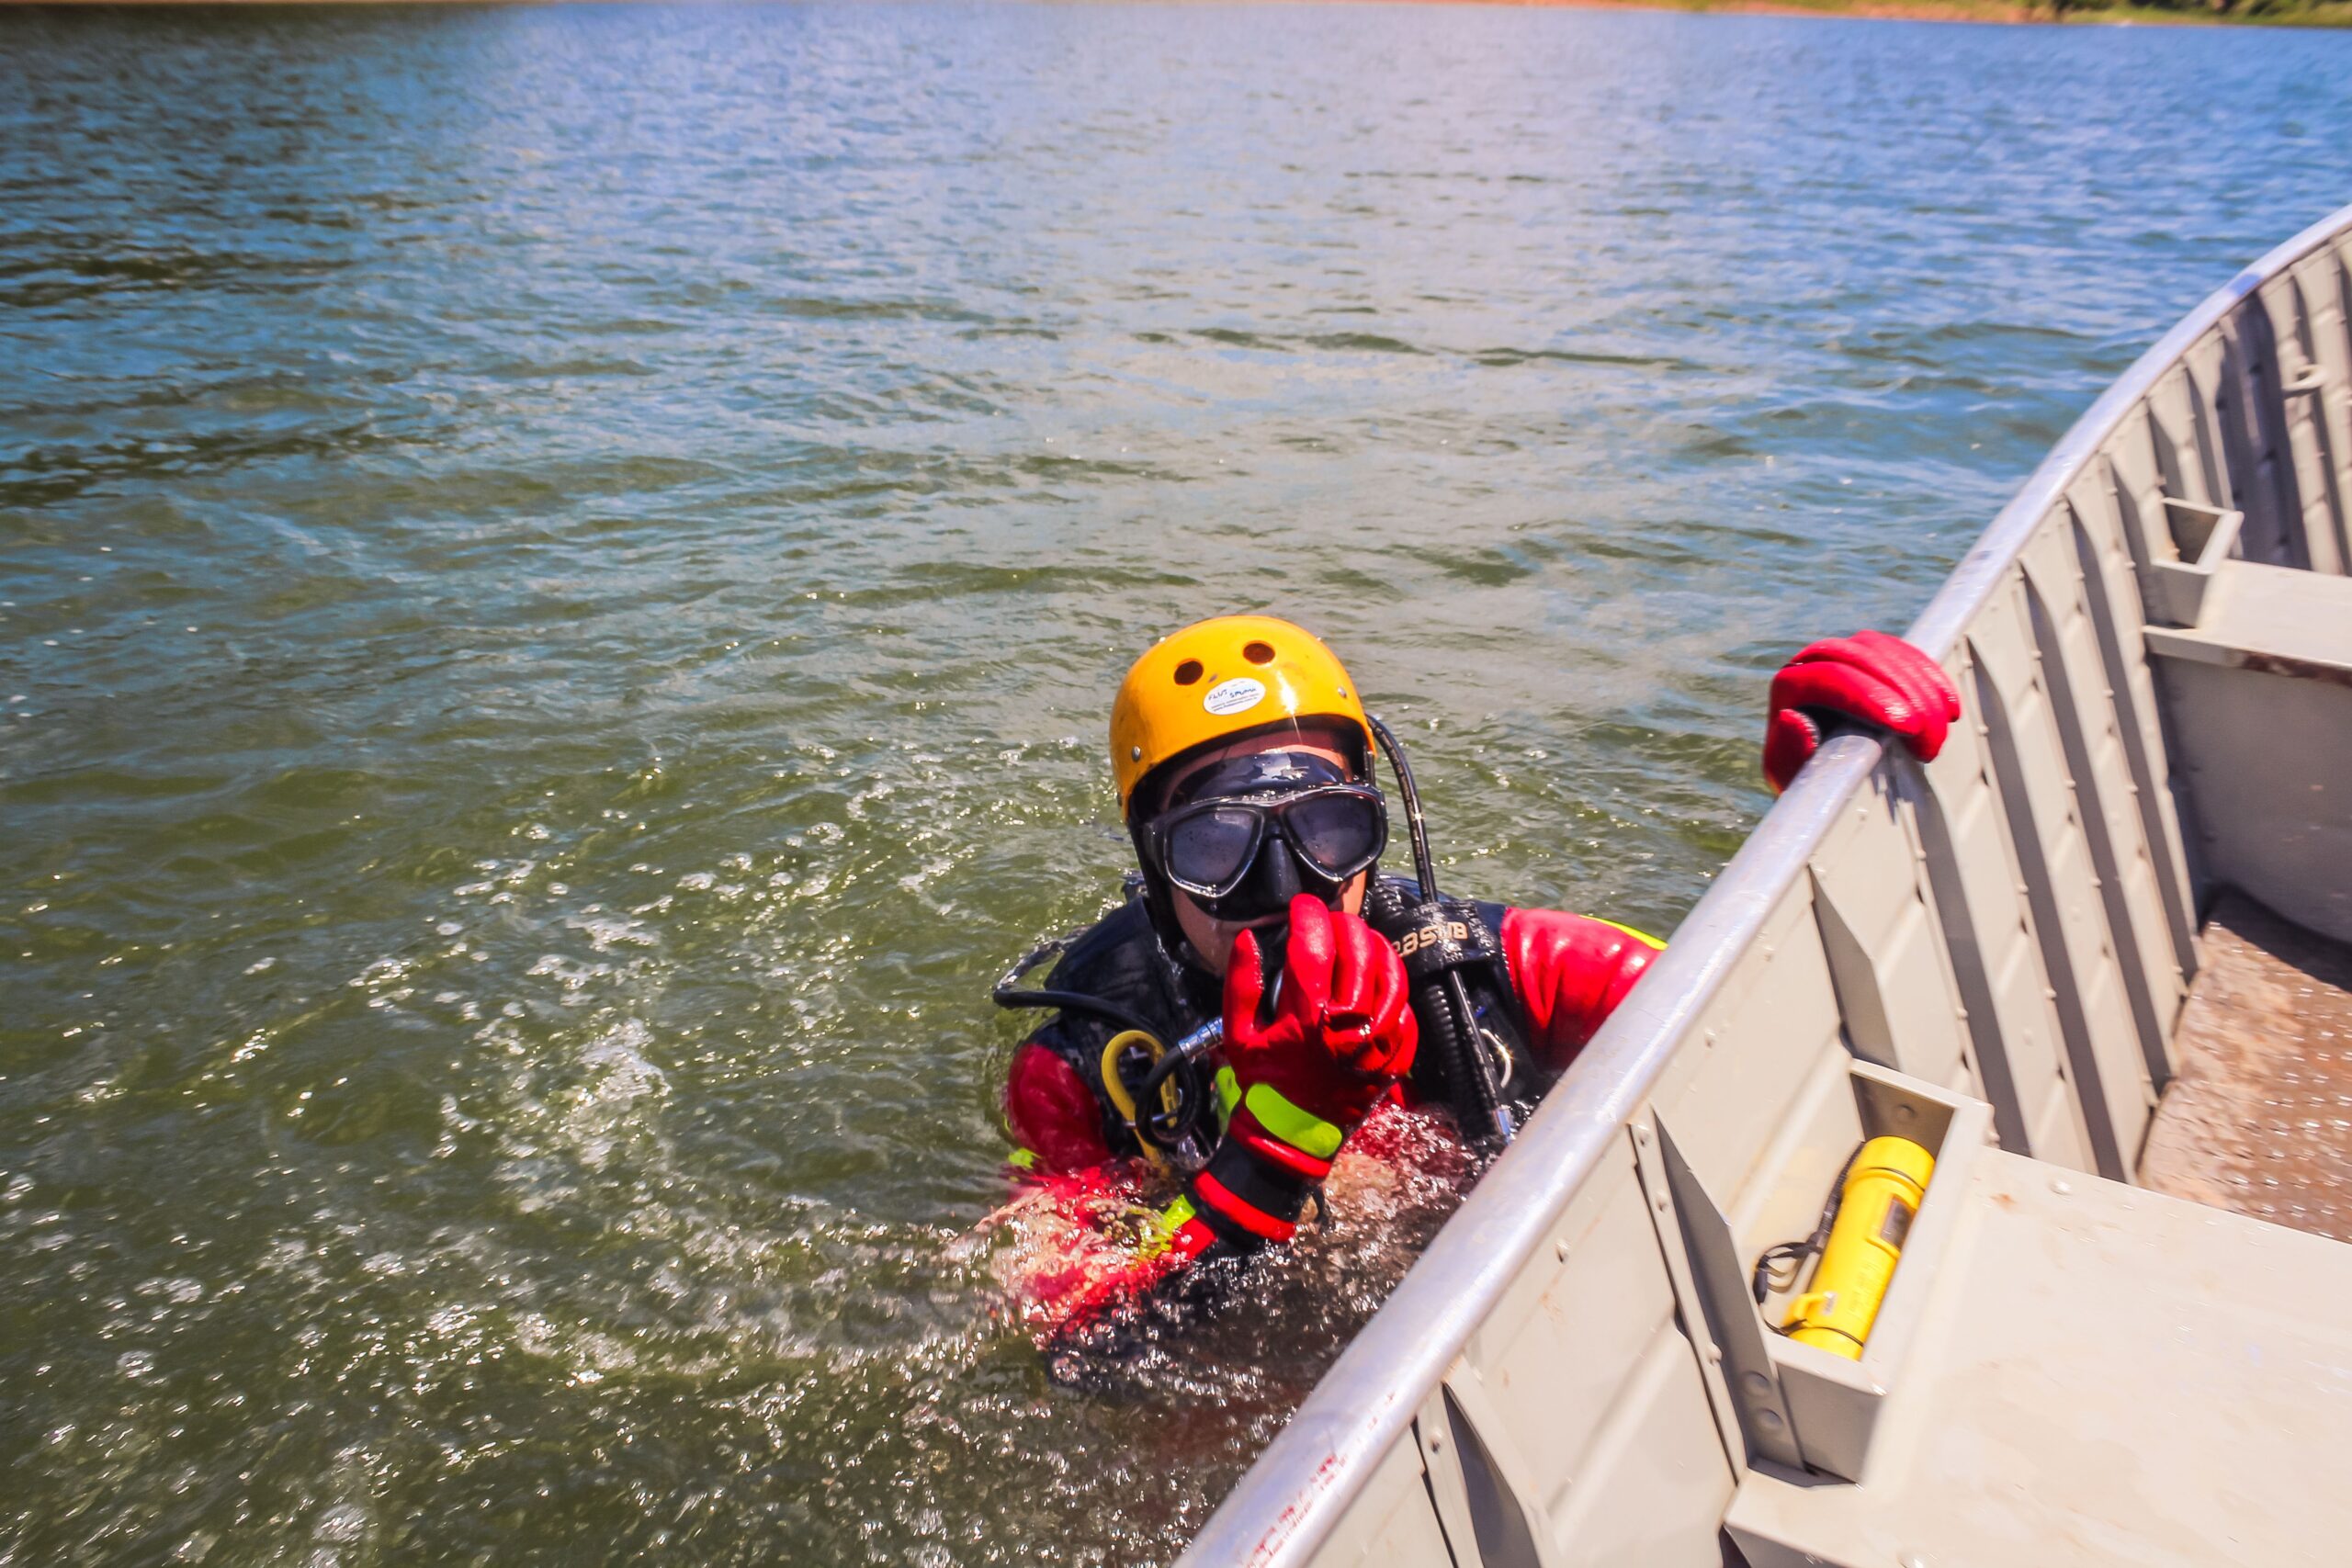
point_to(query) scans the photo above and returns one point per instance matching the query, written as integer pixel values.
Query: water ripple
(560, 575)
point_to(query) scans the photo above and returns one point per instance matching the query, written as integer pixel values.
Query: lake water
(560, 577)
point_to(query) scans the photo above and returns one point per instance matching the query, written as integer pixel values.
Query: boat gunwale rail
(1373, 1392)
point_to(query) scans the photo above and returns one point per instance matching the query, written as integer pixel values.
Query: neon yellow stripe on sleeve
(1643, 937)
(1299, 1129)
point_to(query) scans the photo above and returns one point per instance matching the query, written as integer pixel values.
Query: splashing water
(560, 572)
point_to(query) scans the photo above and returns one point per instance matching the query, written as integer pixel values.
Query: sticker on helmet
(1237, 695)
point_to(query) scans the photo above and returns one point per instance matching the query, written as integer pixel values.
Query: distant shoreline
(2314, 14)
(2323, 14)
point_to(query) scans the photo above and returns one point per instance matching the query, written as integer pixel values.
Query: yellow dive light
(1883, 1187)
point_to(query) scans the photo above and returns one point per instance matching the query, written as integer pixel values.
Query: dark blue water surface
(560, 576)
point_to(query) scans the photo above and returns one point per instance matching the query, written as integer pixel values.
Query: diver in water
(1265, 989)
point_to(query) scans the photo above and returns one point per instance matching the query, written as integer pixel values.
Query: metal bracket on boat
(2205, 537)
(1487, 1501)
(1710, 1286)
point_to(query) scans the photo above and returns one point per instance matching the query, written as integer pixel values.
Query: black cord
(1076, 1002)
(1469, 1070)
(1778, 1265)
(1008, 992)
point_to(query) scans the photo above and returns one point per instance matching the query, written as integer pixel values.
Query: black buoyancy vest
(1467, 939)
(1120, 960)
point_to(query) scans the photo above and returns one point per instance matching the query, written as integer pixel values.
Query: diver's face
(1211, 938)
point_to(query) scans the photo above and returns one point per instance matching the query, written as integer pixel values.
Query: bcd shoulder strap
(1433, 937)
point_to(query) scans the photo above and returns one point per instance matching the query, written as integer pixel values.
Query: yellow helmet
(1221, 678)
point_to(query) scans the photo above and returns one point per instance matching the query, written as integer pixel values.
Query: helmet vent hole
(1258, 653)
(1190, 671)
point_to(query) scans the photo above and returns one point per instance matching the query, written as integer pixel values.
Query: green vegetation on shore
(2286, 12)
(2191, 13)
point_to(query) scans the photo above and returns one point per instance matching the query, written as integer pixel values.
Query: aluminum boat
(2091, 961)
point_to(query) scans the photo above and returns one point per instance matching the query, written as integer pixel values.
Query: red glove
(1341, 1033)
(1871, 677)
(1342, 1027)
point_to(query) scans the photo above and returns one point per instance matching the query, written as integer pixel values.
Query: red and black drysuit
(1553, 978)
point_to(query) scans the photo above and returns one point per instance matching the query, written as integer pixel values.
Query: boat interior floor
(2258, 1118)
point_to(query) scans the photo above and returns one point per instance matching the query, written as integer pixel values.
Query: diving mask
(1245, 837)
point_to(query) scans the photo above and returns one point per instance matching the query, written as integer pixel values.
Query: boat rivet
(1135, 753)
(1560, 1251)
(1911, 1559)
(2061, 1187)
(1768, 1420)
(1757, 1383)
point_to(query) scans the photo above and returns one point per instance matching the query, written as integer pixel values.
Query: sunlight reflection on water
(563, 570)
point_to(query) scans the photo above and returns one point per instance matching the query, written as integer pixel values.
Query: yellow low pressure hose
(1116, 1086)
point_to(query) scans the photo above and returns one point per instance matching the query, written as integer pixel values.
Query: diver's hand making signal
(1341, 1027)
(1305, 1072)
(1869, 678)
